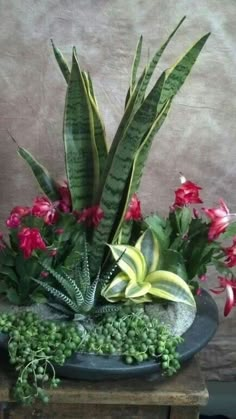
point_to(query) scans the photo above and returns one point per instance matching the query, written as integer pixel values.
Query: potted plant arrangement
(87, 276)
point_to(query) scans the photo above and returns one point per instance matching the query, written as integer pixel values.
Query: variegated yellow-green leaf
(149, 247)
(131, 261)
(116, 289)
(141, 300)
(167, 285)
(134, 289)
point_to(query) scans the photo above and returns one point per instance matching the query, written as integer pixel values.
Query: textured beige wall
(198, 138)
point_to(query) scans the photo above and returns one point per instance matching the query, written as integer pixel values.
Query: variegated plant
(140, 280)
(108, 178)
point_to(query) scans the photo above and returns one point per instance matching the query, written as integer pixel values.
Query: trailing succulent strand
(36, 346)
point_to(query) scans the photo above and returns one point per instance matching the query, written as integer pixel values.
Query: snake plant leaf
(116, 181)
(148, 245)
(153, 64)
(116, 289)
(137, 170)
(134, 289)
(130, 260)
(170, 286)
(125, 121)
(61, 61)
(44, 179)
(177, 74)
(98, 125)
(134, 69)
(79, 143)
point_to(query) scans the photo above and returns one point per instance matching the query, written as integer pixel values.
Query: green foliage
(131, 334)
(141, 280)
(34, 346)
(109, 179)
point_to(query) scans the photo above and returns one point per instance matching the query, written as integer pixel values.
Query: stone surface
(177, 317)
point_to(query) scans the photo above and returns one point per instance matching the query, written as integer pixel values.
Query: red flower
(65, 204)
(13, 221)
(16, 214)
(91, 216)
(134, 209)
(53, 252)
(220, 219)
(231, 254)
(30, 239)
(187, 193)
(45, 209)
(44, 274)
(230, 287)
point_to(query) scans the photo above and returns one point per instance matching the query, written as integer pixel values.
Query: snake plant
(108, 178)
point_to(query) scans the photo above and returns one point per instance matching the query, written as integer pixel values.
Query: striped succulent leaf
(66, 282)
(115, 291)
(80, 149)
(98, 125)
(135, 290)
(169, 286)
(152, 66)
(178, 73)
(137, 170)
(134, 69)
(116, 181)
(58, 295)
(44, 179)
(61, 61)
(90, 296)
(148, 246)
(131, 261)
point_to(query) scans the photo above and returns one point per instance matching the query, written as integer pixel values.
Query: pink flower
(134, 209)
(199, 291)
(13, 221)
(16, 215)
(65, 204)
(91, 216)
(231, 254)
(187, 193)
(220, 219)
(45, 209)
(230, 287)
(30, 239)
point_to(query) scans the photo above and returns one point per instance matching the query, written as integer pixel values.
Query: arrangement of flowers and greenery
(85, 249)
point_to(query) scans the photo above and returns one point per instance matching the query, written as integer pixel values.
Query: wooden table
(178, 397)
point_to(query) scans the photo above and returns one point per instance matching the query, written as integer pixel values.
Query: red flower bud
(134, 209)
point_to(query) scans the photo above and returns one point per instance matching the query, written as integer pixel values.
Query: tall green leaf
(61, 61)
(44, 179)
(153, 64)
(98, 125)
(137, 170)
(120, 169)
(178, 73)
(80, 148)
